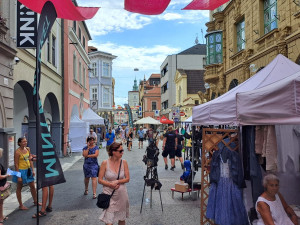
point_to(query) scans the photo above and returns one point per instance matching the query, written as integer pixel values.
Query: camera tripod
(152, 173)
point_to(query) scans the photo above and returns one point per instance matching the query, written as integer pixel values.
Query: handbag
(103, 199)
(5, 187)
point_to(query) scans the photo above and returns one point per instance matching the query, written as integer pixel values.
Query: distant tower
(135, 87)
(196, 40)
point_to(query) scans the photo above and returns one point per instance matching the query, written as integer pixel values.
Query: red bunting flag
(147, 7)
(65, 9)
(205, 4)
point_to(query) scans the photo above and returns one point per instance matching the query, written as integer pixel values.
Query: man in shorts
(141, 137)
(110, 138)
(169, 147)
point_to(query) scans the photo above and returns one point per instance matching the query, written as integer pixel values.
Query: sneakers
(166, 167)
(172, 168)
(182, 166)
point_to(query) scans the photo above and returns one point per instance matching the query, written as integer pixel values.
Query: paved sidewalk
(11, 203)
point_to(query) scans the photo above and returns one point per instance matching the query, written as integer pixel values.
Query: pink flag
(205, 4)
(147, 7)
(65, 9)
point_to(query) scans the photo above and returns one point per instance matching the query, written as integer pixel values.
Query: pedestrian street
(71, 206)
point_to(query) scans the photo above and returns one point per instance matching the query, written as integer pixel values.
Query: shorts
(25, 179)
(178, 151)
(169, 151)
(141, 139)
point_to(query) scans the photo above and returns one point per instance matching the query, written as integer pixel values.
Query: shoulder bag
(103, 200)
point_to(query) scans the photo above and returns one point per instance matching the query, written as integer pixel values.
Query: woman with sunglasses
(118, 209)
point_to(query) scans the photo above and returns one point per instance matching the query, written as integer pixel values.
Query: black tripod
(151, 179)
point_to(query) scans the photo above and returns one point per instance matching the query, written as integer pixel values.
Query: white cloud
(170, 16)
(121, 101)
(144, 58)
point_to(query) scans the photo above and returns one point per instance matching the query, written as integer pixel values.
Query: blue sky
(142, 41)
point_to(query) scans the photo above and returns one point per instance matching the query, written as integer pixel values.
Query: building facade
(7, 62)
(150, 97)
(101, 83)
(243, 37)
(189, 59)
(120, 116)
(75, 70)
(188, 83)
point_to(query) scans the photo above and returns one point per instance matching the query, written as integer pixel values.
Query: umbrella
(115, 123)
(165, 120)
(147, 120)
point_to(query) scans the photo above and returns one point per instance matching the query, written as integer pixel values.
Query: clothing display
(225, 203)
(277, 211)
(266, 145)
(91, 166)
(119, 203)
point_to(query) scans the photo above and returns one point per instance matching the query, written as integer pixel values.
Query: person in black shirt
(6, 192)
(169, 147)
(178, 153)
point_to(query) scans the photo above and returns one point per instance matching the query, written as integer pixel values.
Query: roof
(154, 75)
(198, 49)
(195, 81)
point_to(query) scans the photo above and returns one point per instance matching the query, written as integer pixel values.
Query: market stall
(77, 133)
(275, 82)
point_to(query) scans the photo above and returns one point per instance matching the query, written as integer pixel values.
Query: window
(94, 70)
(164, 71)
(105, 69)
(270, 15)
(53, 50)
(179, 94)
(79, 74)
(240, 31)
(106, 96)
(214, 48)
(164, 105)
(196, 102)
(79, 34)
(94, 91)
(164, 88)
(74, 67)
(153, 105)
(74, 26)
(83, 41)
(233, 84)
(48, 49)
(84, 77)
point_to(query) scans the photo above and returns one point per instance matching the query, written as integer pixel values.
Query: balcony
(211, 73)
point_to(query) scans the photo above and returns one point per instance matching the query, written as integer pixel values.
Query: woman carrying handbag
(118, 209)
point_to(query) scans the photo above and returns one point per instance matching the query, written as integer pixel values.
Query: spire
(135, 87)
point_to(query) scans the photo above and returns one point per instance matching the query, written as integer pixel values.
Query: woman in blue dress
(90, 166)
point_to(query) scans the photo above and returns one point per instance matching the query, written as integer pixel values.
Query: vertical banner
(26, 27)
(130, 122)
(49, 170)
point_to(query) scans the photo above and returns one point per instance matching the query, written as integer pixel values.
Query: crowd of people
(113, 174)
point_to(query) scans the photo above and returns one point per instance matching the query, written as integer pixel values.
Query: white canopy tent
(223, 110)
(90, 116)
(77, 133)
(148, 120)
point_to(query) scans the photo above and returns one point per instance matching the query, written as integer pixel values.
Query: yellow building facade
(244, 36)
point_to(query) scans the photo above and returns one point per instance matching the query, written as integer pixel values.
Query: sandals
(86, 192)
(94, 196)
(41, 214)
(49, 209)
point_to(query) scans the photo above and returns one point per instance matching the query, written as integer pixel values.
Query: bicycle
(69, 149)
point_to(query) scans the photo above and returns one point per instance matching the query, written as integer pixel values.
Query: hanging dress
(225, 203)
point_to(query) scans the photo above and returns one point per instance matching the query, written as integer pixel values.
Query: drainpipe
(62, 86)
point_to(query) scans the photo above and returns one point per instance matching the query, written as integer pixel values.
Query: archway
(233, 84)
(52, 116)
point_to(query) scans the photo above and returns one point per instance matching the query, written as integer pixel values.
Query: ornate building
(243, 37)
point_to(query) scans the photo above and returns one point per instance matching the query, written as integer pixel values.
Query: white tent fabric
(189, 120)
(148, 120)
(77, 133)
(90, 116)
(277, 103)
(223, 110)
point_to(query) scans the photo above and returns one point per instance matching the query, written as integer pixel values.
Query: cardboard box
(181, 187)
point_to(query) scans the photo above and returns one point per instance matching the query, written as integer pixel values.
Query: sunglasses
(121, 151)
